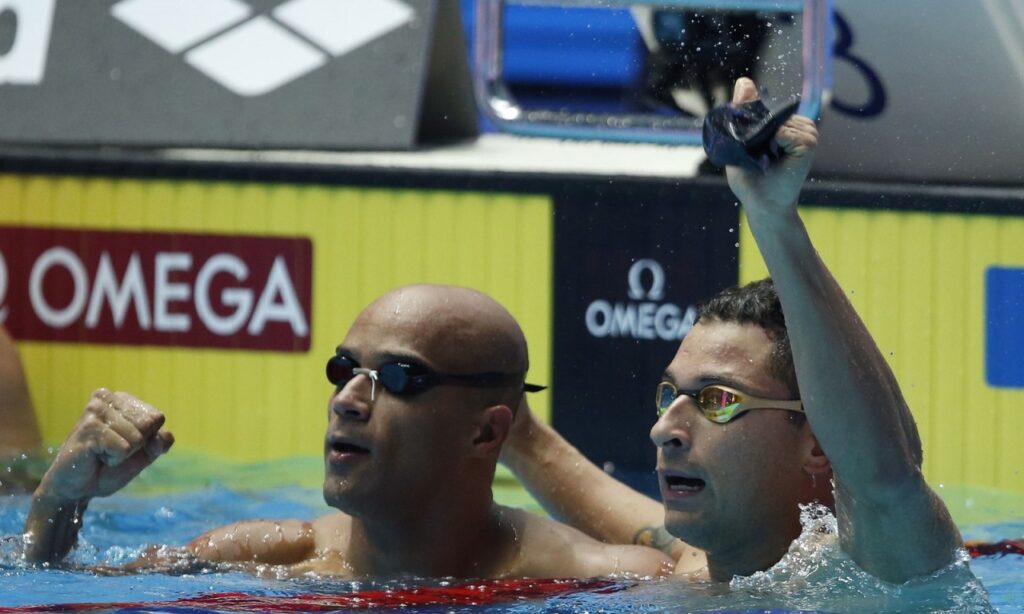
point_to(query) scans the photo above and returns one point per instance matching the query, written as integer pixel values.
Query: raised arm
(577, 492)
(115, 439)
(891, 523)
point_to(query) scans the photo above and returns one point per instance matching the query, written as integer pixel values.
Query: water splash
(814, 575)
(817, 573)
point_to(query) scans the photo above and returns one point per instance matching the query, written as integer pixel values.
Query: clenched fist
(116, 438)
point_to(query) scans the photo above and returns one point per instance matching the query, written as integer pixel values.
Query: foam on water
(815, 575)
(816, 570)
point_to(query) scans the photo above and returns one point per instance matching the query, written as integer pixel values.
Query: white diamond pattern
(176, 25)
(261, 55)
(255, 58)
(339, 26)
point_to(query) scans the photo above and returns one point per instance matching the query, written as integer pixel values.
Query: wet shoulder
(331, 532)
(330, 535)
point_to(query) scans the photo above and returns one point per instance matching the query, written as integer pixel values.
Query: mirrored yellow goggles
(719, 403)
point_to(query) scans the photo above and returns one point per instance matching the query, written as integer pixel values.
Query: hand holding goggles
(404, 378)
(719, 403)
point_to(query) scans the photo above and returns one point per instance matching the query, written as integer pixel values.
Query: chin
(688, 527)
(340, 495)
(332, 497)
(356, 500)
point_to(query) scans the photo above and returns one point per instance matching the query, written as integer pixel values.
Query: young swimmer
(740, 444)
(425, 382)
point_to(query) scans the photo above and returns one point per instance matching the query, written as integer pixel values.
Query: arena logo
(252, 56)
(156, 288)
(639, 318)
(25, 27)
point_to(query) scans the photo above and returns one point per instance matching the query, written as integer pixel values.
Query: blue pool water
(814, 579)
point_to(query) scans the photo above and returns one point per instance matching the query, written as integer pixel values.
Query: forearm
(17, 415)
(575, 491)
(851, 397)
(51, 529)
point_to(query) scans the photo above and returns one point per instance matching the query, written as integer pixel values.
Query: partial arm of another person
(19, 430)
(551, 549)
(577, 492)
(891, 523)
(116, 438)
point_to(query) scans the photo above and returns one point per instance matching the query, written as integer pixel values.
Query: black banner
(632, 261)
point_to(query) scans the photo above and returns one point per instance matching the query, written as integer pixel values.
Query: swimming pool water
(118, 527)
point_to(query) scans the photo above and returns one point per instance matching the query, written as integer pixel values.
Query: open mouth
(341, 447)
(683, 484)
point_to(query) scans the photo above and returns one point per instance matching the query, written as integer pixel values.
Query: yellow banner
(917, 280)
(252, 405)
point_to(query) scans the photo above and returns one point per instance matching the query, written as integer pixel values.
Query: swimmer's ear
(819, 469)
(492, 430)
(815, 461)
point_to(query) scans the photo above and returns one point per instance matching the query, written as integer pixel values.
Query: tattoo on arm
(655, 537)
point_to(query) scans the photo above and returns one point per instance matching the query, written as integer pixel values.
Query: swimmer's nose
(672, 430)
(355, 399)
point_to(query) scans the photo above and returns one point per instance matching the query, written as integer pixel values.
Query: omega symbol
(636, 286)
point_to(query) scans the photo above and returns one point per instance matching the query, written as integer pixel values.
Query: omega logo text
(157, 289)
(648, 319)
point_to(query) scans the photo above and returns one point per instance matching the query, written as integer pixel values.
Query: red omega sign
(149, 288)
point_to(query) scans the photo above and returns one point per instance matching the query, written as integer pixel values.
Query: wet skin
(410, 474)
(735, 487)
(394, 452)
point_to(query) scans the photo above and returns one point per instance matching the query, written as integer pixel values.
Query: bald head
(439, 441)
(458, 329)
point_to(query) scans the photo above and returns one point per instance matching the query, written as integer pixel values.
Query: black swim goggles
(406, 378)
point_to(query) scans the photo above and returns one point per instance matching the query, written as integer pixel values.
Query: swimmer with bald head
(425, 385)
